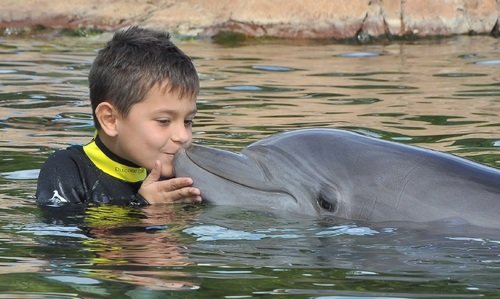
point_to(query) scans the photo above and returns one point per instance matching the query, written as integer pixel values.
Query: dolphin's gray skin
(322, 172)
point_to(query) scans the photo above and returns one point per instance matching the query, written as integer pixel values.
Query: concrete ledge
(329, 19)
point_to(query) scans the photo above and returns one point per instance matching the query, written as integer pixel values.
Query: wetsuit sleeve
(59, 182)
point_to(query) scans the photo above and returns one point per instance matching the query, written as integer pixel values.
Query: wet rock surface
(328, 19)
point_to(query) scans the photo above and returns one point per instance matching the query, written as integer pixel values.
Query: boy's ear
(107, 116)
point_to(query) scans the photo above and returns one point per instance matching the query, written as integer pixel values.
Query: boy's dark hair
(132, 62)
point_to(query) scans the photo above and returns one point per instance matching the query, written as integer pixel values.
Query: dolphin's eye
(325, 204)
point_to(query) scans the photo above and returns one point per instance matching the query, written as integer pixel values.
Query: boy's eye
(163, 121)
(188, 122)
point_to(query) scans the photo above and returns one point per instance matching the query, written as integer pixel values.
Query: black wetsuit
(86, 175)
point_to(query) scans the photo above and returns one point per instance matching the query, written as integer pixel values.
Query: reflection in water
(442, 94)
(135, 246)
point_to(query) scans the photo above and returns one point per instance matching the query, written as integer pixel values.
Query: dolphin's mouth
(232, 167)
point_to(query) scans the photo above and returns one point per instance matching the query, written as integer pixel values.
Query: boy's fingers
(195, 199)
(154, 175)
(171, 190)
(177, 183)
(189, 194)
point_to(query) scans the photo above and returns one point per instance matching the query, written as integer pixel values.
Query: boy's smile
(155, 129)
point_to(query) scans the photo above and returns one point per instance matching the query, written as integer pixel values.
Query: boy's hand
(168, 191)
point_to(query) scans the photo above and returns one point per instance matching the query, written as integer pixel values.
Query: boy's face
(155, 129)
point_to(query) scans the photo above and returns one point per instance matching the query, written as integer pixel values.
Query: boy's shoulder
(66, 158)
(60, 175)
(71, 152)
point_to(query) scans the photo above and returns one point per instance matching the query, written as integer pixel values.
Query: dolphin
(330, 172)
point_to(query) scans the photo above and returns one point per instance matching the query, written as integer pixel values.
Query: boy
(143, 93)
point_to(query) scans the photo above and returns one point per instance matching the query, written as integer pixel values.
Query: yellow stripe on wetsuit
(111, 167)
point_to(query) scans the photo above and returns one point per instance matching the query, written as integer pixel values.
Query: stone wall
(331, 19)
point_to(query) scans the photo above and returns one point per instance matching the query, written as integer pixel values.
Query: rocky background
(326, 19)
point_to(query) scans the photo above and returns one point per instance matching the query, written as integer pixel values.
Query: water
(442, 94)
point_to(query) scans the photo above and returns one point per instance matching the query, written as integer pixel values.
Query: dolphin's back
(377, 180)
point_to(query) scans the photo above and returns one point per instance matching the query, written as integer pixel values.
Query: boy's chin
(167, 173)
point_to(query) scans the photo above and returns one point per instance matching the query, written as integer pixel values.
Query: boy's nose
(181, 134)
